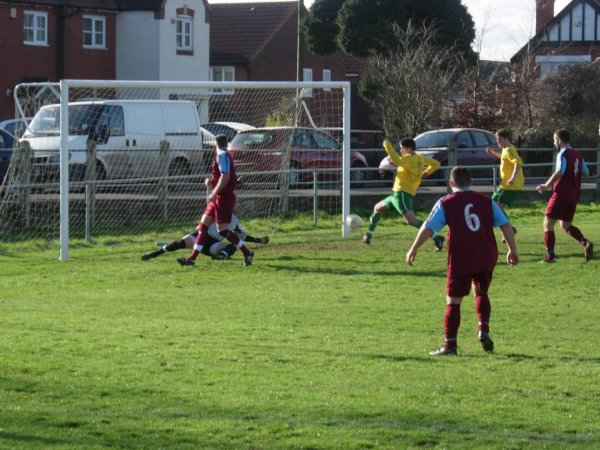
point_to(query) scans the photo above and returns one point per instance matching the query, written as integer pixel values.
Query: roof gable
(239, 31)
(577, 23)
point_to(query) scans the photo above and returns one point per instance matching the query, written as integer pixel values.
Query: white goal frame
(66, 85)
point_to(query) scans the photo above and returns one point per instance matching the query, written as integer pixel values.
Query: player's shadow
(351, 272)
(331, 266)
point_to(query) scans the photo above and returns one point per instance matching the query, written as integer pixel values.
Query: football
(354, 221)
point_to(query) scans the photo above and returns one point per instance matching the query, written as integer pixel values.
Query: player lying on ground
(217, 248)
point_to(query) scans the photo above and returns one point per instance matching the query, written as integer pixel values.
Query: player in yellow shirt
(511, 170)
(412, 167)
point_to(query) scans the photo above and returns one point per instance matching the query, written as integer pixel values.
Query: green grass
(321, 344)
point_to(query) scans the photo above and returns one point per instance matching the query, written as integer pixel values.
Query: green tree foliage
(366, 27)
(570, 97)
(320, 26)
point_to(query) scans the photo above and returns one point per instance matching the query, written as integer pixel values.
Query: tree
(366, 27)
(407, 88)
(320, 26)
(571, 99)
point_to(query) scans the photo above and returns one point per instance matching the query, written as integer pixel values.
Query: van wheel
(100, 171)
(179, 167)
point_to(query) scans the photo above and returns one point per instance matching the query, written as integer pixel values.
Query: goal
(131, 157)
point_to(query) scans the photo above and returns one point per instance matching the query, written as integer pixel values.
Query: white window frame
(222, 73)
(184, 39)
(550, 63)
(39, 33)
(307, 75)
(97, 33)
(326, 76)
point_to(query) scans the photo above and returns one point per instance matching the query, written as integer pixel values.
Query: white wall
(146, 46)
(137, 55)
(184, 67)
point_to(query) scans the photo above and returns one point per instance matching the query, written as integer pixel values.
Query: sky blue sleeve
(223, 162)
(437, 217)
(561, 162)
(499, 217)
(585, 169)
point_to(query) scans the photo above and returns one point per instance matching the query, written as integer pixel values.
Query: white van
(128, 136)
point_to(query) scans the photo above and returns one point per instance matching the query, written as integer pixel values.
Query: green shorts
(400, 201)
(504, 196)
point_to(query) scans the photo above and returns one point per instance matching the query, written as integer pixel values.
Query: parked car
(470, 146)
(229, 129)
(16, 127)
(262, 149)
(7, 142)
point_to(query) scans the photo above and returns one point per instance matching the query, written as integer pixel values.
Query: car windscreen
(434, 139)
(254, 139)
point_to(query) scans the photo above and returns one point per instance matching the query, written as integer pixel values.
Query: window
(184, 33)
(326, 76)
(94, 31)
(307, 76)
(35, 28)
(222, 73)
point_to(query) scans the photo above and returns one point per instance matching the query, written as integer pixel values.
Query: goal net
(132, 156)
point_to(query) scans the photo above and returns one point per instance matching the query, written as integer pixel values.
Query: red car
(265, 150)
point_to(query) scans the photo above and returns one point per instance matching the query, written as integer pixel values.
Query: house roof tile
(239, 31)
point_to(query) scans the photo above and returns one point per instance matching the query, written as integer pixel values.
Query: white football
(354, 220)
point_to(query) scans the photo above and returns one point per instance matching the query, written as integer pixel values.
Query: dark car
(264, 150)
(7, 142)
(470, 144)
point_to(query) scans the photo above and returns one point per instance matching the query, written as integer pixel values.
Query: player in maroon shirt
(221, 203)
(472, 253)
(566, 187)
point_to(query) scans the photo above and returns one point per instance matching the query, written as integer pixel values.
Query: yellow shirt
(508, 160)
(410, 169)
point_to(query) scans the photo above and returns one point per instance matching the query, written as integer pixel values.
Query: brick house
(572, 36)
(258, 42)
(49, 40)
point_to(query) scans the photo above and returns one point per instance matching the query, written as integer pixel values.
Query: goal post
(114, 156)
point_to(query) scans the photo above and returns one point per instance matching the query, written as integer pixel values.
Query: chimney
(544, 13)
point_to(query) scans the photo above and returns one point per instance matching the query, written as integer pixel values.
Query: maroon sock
(483, 308)
(575, 233)
(549, 239)
(200, 240)
(451, 324)
(235, 240)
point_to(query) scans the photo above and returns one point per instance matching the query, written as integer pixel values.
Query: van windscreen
(82, 119)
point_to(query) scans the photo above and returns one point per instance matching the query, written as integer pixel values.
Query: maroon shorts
(460, 285)
(558, 209)
(221, 208)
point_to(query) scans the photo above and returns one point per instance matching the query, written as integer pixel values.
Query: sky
(502, 26)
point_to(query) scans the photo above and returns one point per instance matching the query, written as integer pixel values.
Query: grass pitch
(321, 344)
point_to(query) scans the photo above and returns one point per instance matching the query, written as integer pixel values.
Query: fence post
(90, 178)
(452, 158)
(315, 196)
(23, 180)
(163, 190)
(597, 196)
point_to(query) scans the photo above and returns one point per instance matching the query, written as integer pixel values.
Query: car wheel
(294, 175)
(440, 175)
(358, 175)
